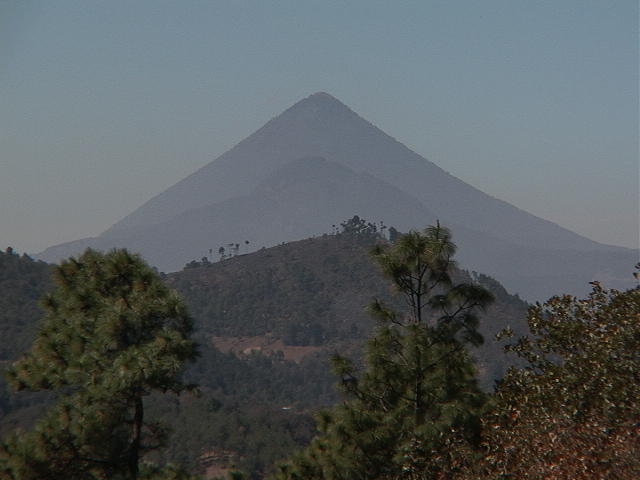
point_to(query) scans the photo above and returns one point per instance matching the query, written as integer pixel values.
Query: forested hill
(22, 282)
(313, 293)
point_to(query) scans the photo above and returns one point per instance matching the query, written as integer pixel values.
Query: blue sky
(105, 104)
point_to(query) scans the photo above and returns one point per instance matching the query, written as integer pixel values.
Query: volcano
(318, 164)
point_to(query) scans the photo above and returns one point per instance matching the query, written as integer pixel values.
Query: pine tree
(414, 410)
(113, 333)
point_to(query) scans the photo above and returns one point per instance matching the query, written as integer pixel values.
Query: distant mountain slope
(322, 126)
(268, 189)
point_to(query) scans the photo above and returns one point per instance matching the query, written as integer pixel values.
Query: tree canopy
(113, 333)
(573, 411)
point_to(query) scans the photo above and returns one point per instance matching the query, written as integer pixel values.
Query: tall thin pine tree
(414, 410)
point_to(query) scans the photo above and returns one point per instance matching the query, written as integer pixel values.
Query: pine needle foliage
(112, 334)
(414, 410)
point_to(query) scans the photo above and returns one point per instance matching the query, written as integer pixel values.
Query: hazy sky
(104, 104)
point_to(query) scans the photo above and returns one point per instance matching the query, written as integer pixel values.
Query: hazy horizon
(106, 104)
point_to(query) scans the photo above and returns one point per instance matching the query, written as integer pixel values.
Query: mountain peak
(320, 104)
(323, 95)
